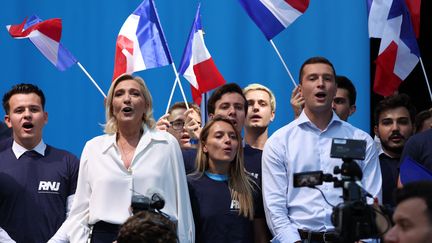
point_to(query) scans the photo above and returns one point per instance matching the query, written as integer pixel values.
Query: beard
(396, 149)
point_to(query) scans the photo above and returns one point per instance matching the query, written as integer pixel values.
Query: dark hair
(315, 60)
(182, 105)
(147, 227)
(418, 189)
(421, 117)
(219, 92)
(22, 89)
(343, 82)
(393, 102)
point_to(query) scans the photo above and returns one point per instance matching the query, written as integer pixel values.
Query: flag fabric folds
(45, 35)
(411, 171)
(197, 65)
(398, 52)
(141, 43)
(273, 16)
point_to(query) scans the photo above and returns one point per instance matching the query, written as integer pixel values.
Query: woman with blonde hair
(224, 197)
(131, 158)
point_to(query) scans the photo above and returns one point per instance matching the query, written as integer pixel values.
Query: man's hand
(193, 123)
(162, 124)
(297, 101)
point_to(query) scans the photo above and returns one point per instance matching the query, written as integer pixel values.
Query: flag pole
(91, 79)
(426, 78)
(181, 87)
(283, 62)
(171, 95)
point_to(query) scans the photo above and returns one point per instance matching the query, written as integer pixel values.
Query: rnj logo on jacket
(48, 187)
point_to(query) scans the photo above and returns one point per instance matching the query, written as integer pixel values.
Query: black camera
(353, 219)
(141, 202)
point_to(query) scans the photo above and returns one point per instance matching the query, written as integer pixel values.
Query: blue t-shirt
(189, 156)
(34, 191)
(216, 215)
(252, 160)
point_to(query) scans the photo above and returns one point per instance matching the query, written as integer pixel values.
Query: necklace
(126, 156)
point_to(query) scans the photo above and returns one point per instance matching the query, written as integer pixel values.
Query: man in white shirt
(296, 214)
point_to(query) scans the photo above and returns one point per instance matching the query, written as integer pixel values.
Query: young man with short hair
(302, 214)
(261, 112)
(394, 118)
(37, 181)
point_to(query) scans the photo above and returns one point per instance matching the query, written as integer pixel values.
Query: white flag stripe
(135, 61)
(378, 15)
(46, 45)
(282, 11)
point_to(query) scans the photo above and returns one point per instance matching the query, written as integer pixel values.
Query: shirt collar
(146, 137)
(303, 119)
(19, 150)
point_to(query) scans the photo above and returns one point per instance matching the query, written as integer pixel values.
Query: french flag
(197, 65)
(398, 53)
(378, 11)
(141, 43)
(273, 16)
(45, 35)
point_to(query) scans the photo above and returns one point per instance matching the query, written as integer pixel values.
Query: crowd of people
(228, 180)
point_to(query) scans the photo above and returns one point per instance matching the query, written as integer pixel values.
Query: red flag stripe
(386, 81)
(300, 5)
(51, 28)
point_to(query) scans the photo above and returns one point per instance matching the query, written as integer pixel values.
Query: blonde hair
(239, 183)
(111, 121)
(256, 86)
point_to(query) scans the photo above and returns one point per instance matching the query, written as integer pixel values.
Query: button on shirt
(300, 147)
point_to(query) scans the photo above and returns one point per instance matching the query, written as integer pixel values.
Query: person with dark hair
(147, 227)
(228, 100)
(413, 214)
(302, 214)
(131, 158)
(394, 118)
(423, 121)
(225, 201)
(37, 181)
(344, 102)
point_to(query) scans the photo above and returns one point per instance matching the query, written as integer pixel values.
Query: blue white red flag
(378, 12)
(45, 35)
(398, 53)
(141, 43)
(411, 171)
(273, 16)
(197, 65)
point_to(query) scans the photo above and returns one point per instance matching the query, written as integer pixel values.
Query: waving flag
(399, 52)
(45, 35)
(197, 65)
(273, 16)
(378, 12)
(141, 43)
